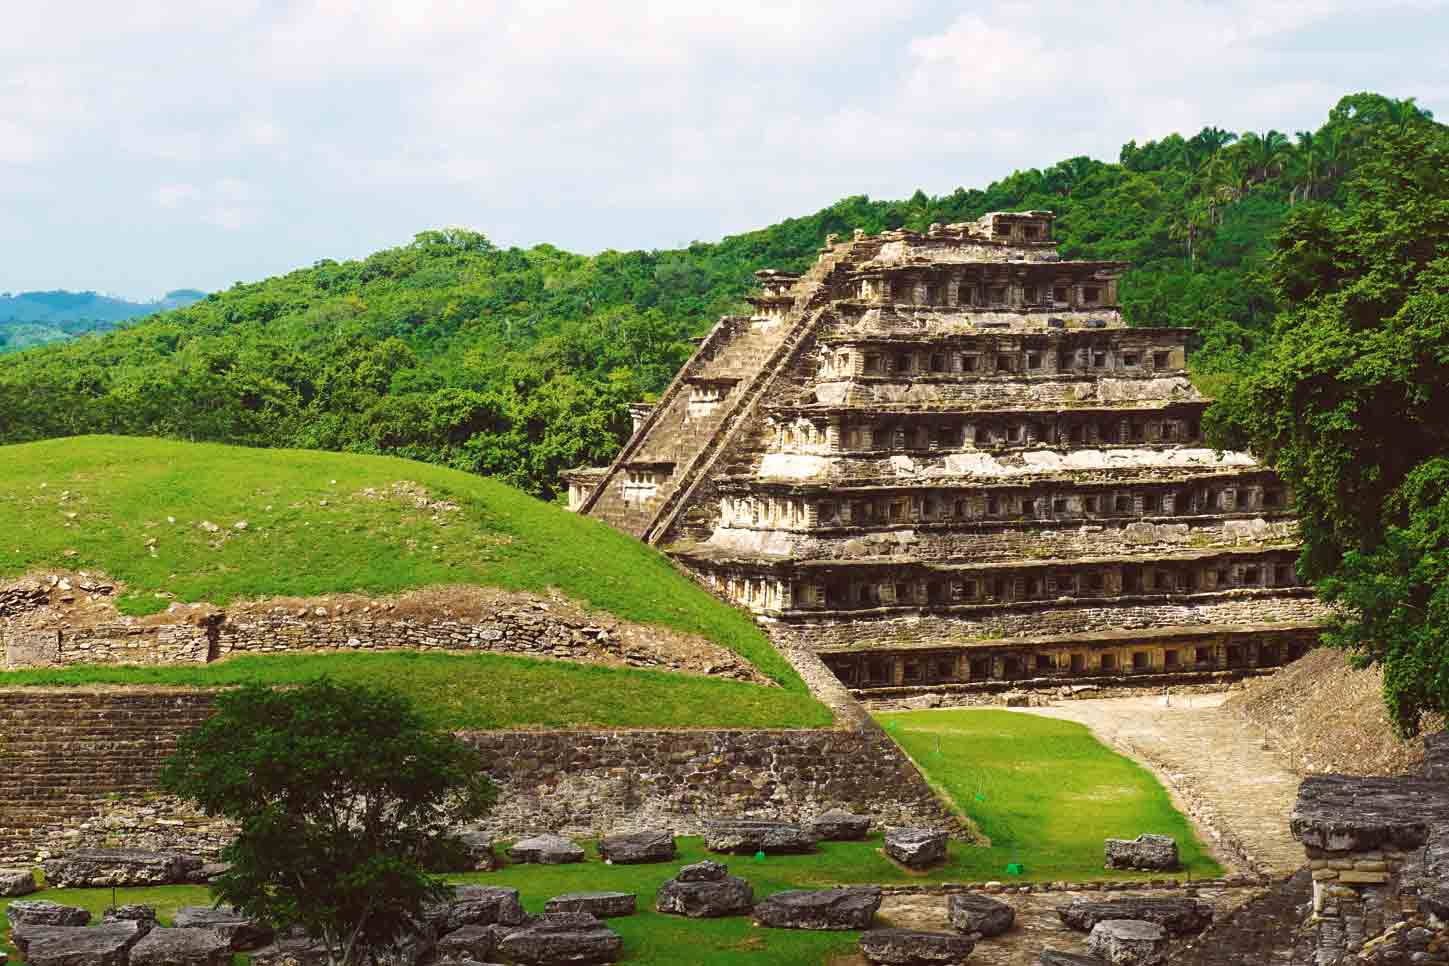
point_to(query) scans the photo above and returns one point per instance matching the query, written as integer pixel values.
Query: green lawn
(94, 502)
(1046, 792)
(485, 691)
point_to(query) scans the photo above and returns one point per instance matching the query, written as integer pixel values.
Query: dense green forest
(518, 363)
(1350, 403)
(29, 319)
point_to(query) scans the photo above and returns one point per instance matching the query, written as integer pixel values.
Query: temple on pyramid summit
(942, 461)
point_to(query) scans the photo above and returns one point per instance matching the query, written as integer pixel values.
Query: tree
(1349, 407)
(343, 799)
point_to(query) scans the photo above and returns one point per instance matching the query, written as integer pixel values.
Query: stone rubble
(846, 908)
(1146, 853)
(916, 848)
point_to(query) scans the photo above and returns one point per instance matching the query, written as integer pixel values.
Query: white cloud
(593, 124)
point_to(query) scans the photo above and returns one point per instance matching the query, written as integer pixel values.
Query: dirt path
(1213, 760)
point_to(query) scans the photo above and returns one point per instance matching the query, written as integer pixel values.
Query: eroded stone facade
(942, 459)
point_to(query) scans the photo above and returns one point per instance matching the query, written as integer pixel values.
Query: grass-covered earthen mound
(1320, 716)
(182, 522)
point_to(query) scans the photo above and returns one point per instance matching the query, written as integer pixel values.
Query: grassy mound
(1046, 792)
(488, 691)
(163, 516)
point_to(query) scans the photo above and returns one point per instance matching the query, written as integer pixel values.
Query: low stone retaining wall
(79, 769)
(66, 620)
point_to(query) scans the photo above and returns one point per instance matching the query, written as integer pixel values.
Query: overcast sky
(157, 144)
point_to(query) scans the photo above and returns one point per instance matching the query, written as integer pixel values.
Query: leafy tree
(343, 799)
(1350, 405)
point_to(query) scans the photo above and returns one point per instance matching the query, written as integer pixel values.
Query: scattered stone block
(569, 937)
(546, 850)
(838, 825)
(1055, 957)
(477, 849)
(637, 847)
(1151, 853)
(1179, 915)
(705, 890)
(914, 947)
(476, 943)
(39, 912)
(181, 947)
(972, 912)
(1128, 942)
(130, 913)
(17, 882)
(603, 905)
(706, 871)
(916, 848)
(239, 932)
(90, 868)
(475, 905)
(292, 949)
(747, 836)
(106, 945)
(851, 908)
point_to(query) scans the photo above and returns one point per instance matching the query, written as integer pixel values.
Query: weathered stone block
(704, 890)
(89, 868)
(1128, 942)
(181, 947)
(917, 848)
(1055, 957)
(106, 945)
(239, 932)
(838, 825)
(546, 850)
(475, 943)
(600, 904)
(972, 912)
(562, 938)
(476, 905)
(748, 836)
(1152, 853)
(849, 908)
(1179, 915)
(17, 882)
(914, 947)
(637, 847)
(39, 912)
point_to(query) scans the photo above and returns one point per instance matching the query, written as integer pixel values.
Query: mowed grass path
(1046, 792)
(107, 504)
(489, 691)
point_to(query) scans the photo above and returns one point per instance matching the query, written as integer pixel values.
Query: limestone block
(89, 868)
(840, 825)
(918, 848)
(914, 947)
(181, 947)
(476, 905)
(637, 847)
(602, 905)
(105, 945)
(562, 938)
(704, 890)
(1179, 915)
(1128, 942)
(546, 850)
(1146, 852)
(17, 882)
(38, 912)
(240, 932)
(849, 908)
(748, 836)
(972, 912)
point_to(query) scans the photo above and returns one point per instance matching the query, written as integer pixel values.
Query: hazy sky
(156, 144)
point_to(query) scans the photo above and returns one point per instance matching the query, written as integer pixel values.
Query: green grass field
(95, 502)
(1046, 792)
(483, 691)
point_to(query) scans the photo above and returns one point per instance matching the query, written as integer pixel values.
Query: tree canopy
(1349, 404)
(521, 362)
(343, 800)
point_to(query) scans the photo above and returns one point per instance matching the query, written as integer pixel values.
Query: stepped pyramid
(943, 461)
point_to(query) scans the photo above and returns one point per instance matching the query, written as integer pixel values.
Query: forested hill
(29, 319)
(519, 363)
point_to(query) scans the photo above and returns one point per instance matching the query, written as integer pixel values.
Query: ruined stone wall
(1041, 618)
(39, 630)
(79, 768)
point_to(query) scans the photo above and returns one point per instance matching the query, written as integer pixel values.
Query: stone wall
(79, 767)
(57, 621)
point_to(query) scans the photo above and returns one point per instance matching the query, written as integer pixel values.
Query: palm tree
(1264, 155)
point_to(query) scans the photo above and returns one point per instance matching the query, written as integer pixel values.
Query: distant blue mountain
(29, 319)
